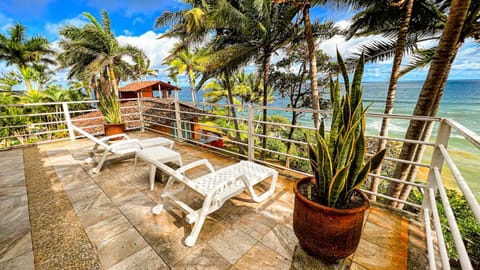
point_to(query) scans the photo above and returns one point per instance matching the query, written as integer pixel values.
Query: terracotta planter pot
(327, 233)
(113, 129)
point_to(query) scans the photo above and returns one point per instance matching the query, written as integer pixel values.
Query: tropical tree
(189, 63)
(142, 67)
(406, 7)
(251, 30)
(20, 51)
(434, 85)
(9, 80)
(93, 50)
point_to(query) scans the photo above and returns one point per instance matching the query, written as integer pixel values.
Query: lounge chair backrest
(172, 173)
(89, 136)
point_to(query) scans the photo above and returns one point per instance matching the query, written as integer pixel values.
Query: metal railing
(238, 132)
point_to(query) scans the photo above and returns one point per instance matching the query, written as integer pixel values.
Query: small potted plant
(329, 207)
(112, 114)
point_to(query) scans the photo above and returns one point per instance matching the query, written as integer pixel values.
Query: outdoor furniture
(214, 188)
(106, 145)
(157, 154)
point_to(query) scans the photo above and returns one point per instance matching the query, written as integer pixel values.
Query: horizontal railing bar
(467, 133)
(391, 198)
(397, 180)
(401, 140)
(271, 123)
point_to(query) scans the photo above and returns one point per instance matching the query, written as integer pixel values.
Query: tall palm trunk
(192, 87)
(233, 113)
(392, 87)
(113, 79)
(432, 87)
(313, 64)
(266, 70)
(425, 137)
(26, 78)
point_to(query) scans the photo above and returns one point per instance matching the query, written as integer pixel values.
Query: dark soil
(355, 201)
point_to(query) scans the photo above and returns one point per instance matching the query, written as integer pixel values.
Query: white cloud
(53, 28)
(138, 20)
(127, 32)
(5, 23)
(156, 49)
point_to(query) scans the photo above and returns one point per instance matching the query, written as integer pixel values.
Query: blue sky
(132, 22)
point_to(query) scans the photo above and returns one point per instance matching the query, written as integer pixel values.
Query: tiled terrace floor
(55, 214)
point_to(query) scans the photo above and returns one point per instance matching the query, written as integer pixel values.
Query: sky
(132, 23)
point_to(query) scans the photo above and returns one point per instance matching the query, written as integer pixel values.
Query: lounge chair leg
(192, 238)
(100, 163)
(153, 170)
(157, 209)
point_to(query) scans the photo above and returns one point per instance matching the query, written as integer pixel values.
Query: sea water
(460, 102)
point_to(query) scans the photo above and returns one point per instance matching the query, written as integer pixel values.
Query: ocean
(460, 102)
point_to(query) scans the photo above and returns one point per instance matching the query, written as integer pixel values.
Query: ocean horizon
(460, 102)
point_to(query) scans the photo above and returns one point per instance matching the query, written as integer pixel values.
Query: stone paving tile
(144, 259)
(7, 193)
(269, 260)
(114, 208)
(22, 262)
(107, 228)
(13, 178)
(278, 210)
(232, 244)
(371, 256)
(204, 257)
(282, 240)
(15, 240)
(120, 247)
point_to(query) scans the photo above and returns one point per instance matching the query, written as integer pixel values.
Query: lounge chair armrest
(135, 142)
(194, 164)
(121, 135)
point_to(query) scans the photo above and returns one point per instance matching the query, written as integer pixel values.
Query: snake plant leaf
(357, 80)
(343, 69)
(337, 185)
(371, 165)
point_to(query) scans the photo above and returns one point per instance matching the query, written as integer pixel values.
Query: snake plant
(337, 157)
(109, 106)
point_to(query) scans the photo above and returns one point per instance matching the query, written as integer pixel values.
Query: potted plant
(112, 114)
(329, 207)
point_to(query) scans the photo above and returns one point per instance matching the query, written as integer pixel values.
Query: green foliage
(110, 107)
(338, 158)
(467, 224)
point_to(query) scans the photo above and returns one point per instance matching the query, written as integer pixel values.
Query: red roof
(137, 86)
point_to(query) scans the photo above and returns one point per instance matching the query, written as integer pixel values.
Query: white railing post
(443, 134)
(251, 130)
(178, 120)
(140, 113)
(66, 112)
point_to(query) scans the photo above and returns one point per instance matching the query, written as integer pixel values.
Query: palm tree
(224, 87)
(185, 61)
(406, 7)
(252, 31)
(9, 80)
(22, 52)
(93, 50)
(433, 87)
(142, 67)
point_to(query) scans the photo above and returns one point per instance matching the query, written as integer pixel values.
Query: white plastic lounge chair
(215, 188)
(120, 148)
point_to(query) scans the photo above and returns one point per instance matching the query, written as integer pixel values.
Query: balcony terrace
(57, 214)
